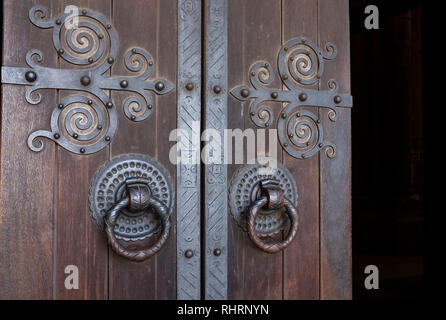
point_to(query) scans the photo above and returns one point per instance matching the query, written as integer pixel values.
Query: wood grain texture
(26, 190)
(301, 259)
(254, 34)
(141, 25)
(79, 241)
(335, 174)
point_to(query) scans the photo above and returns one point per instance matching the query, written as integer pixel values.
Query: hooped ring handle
(138, 198)
(275, 199)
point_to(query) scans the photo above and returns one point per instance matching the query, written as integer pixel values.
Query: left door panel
(45, 223)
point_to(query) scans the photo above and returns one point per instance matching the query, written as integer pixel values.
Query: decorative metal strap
(300, 63)
(85, 124)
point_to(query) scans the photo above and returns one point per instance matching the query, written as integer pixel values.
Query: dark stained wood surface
(301, 259)
(335, 174)
(27, 191)
(254, 34)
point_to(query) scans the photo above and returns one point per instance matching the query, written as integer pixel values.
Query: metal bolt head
(107, 138)
(337, 99)
(150, 63)
(56, 136)
(149, 106)
(285, 77)
(217, 252)
(298, 114)
(252, 114)
(60, 106)
(124, 83)
(303, 156)
(134, 50)
(188, 253)
(30, 76)
(90, 102)
(284, 115)
(82, 150)
(110, 60)
(133, 117)
(109, 104)
(159, 86)
(85, 80)
(84, 11)
(99, 127)
(320, 145)
(109, 26)
(189, 86)
(61, 51)
(274, 95)
(75, 135)
(285, 144)
(244, 93)
(217, 89)
(101, 36)
(303, 96)
(58, 21)
(90, 60)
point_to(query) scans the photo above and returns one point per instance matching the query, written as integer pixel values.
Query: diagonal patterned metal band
(188, 174)
(215, 202)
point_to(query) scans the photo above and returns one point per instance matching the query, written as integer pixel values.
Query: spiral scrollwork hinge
(86, 122)
(300, 64)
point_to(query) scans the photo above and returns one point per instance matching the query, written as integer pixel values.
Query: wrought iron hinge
(300, 63)
(85, 123)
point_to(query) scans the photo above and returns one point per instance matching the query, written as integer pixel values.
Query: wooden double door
(92, 92)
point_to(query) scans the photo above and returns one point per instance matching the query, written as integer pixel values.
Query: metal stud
(58, 21)
(303, 96)
(85, 80)
(189, 86)
(101, 36)
(133, 117)
(90, 102)
(337, 99)
(30, 76)
(274, 95)
(109, 26)
(285, 77)
(217, 252)
(84, 11)
(124, 83)
(284, 115)
(82, 150)
(99, 127)
(90, 60)
(149, 106)
(159, 86)
(244, 93)
(110, 60)
(217, 89)
(75, 135)
(56, 136)
(61, 51)
(60, 106)
(188, 253)
(107, 138)
(109, 104)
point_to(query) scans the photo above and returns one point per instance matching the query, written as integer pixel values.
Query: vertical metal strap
(216, 194)
(188, 172)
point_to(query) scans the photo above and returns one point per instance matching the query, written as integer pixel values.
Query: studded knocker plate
(131, 176)
(246, 189)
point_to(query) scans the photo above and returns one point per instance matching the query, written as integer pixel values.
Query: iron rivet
(274, 95)
(110, 60)
(101, 36)
(85, 80)
(108, 26)
(298, 114)
(308, 144)
(124, 83)
(90, 60)
(134, 50)
(318, 76)
(30, 76)
(99, 127)
(84, 11)
(58, 21)
(244, 93)
(291, 58)
(61, 51)
(285, 49)
(159, 86)
(90, 102)
(285, 77)
(56, 136)
(217, 89)
(149, 106)
(291, 135)
(60, 106)
(303, 156)
(109, 104)
(190, 86)
(267, 125)
(285, 144)
(189, 253)
(217, 252)
(320, 145)
(303, 96)
(150, 63)
(252, 114)
(337, 99)
(318, 121)
(284, 115)
(133, 117)
(266, 65)
(82, 150)
(253, 73)
(75, 135)
(107, 138)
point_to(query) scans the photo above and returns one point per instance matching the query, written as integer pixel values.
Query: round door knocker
(131, 198)
(263, 202)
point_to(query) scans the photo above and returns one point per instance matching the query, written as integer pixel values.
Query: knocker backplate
(109, 186)
(244, 191)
